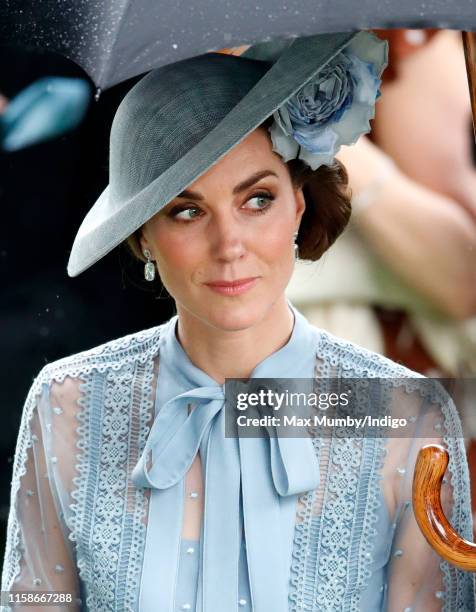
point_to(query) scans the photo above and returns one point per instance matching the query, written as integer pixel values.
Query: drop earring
(149, 268)
(296, 246)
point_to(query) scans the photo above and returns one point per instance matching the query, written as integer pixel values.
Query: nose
(227, 238)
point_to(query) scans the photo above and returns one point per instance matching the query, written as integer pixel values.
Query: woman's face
(234, 222)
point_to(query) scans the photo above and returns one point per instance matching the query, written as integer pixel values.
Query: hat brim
(104, 227)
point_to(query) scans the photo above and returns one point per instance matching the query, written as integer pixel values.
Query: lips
(237, 283)
(233, 288)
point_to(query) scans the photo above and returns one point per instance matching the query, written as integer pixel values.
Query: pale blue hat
(180, 119)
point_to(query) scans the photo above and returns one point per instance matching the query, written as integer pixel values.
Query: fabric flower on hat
(334, 107)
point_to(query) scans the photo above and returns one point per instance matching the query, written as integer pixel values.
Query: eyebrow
(254, 178)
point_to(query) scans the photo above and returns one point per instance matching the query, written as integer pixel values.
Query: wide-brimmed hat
(180, 119)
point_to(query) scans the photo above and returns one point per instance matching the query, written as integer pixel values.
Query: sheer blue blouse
(173, 573)
(107, 479)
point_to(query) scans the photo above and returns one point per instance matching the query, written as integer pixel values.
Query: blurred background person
(401, 279)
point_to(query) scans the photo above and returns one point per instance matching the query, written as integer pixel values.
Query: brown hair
(327, 211)
(328, 206)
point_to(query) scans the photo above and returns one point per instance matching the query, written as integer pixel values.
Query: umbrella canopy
(114, 40)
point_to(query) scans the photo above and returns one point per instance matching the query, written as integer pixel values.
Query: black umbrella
(114, 40)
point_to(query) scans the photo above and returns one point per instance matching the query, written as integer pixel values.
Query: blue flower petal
(335, 107)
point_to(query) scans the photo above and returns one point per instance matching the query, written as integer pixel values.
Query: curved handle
(430, 467)
(469, 46)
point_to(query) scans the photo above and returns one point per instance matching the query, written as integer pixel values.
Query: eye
(185, 213)
(263, 201)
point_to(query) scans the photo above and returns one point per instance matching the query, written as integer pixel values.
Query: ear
(300, 204)
(144, 244)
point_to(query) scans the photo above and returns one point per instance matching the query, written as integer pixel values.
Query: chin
(231, 314)
(235, 317)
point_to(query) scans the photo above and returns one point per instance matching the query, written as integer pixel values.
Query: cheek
(175, 252)
(274, 242)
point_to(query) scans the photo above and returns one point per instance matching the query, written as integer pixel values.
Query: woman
(215, 182)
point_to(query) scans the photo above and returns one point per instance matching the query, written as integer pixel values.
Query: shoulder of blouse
(341, 358)
(137, 347)
(362, 361)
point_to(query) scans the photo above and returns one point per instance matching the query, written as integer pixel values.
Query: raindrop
(98, 93)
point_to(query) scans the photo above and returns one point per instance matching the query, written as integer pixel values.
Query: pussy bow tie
(272, 471)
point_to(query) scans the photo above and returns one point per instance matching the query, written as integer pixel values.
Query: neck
(234, 354)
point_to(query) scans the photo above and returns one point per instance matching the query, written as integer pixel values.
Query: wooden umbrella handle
(430, 468)
(469, 45)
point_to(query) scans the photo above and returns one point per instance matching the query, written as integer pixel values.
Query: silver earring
(296, 246)
(149, 268)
